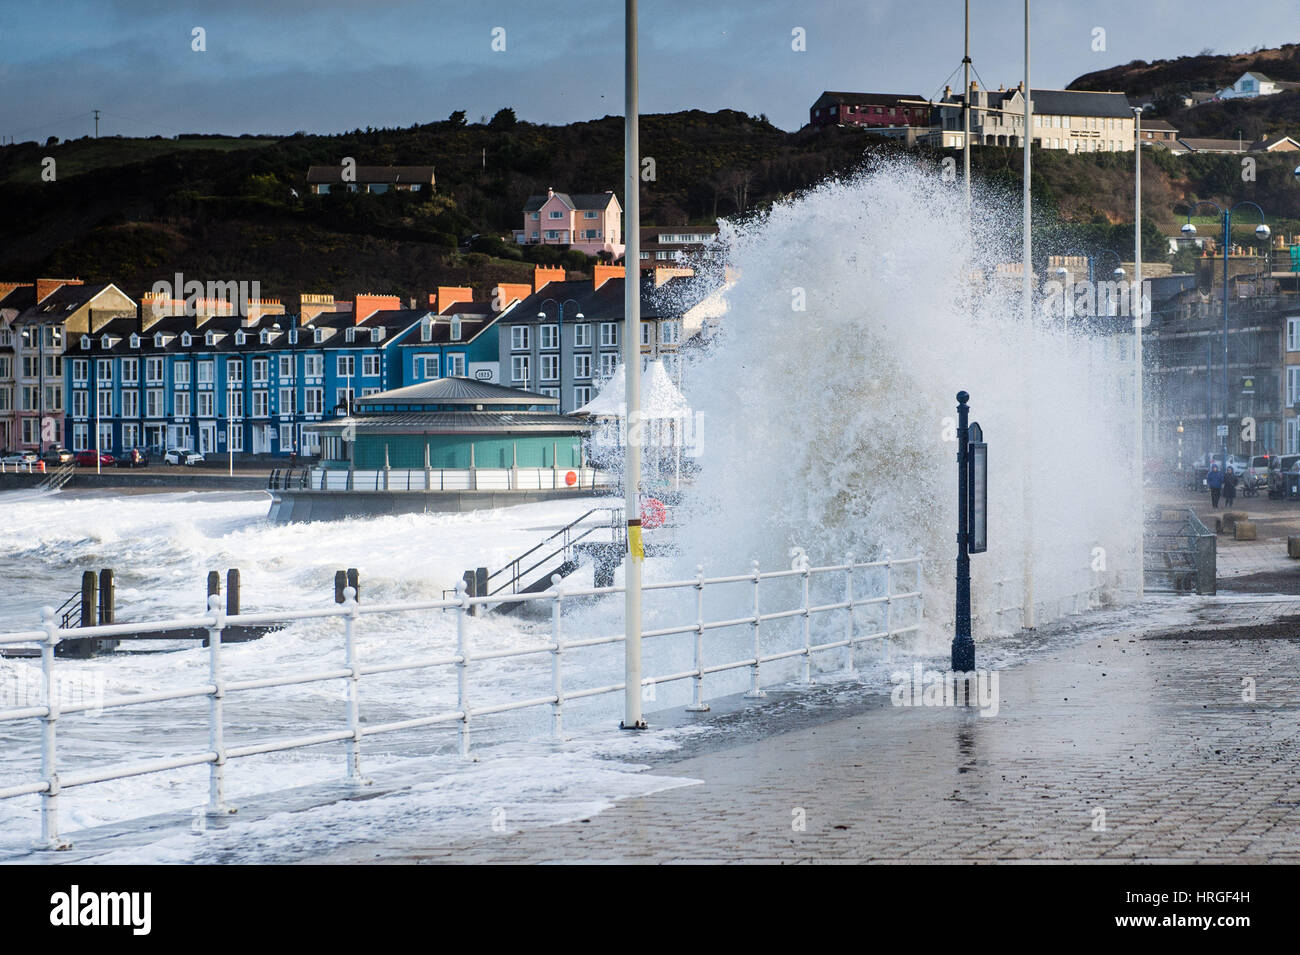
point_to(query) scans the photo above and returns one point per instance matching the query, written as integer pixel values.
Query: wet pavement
(1174, 746)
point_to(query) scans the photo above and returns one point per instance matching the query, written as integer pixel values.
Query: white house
(1253, 84)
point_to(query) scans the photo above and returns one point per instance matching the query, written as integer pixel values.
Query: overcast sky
(329, 65)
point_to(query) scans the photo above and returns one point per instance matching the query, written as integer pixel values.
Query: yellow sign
(634, 545)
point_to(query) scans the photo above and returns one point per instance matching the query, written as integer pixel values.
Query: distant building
(869, 109)
(1272, 144)
(589, 222)
(1252, 84)
(673, 245)
(1158, 131)
(374, 179)
(1072, 120)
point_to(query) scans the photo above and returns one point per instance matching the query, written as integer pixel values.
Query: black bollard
(232, 592)
(354, 581)
(107, 595)
(340, 582)
(87, 599)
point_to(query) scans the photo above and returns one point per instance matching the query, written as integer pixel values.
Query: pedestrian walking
(1229, 487)
(1215, 481)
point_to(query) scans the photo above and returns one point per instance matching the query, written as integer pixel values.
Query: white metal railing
(765, 627)
(1006, 616)
(457, 479)
(22, 467)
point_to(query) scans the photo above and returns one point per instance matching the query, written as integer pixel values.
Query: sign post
(972, 525)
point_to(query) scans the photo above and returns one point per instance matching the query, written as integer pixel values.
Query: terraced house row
(87, 366)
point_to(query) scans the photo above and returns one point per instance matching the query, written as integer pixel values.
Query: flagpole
(632, 377)
(1027, 291)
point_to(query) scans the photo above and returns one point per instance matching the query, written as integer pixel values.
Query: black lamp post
(559, 340)
(1262, 232)
(972, 526)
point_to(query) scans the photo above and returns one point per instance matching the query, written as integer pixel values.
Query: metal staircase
(1180, 552)
(58, 478)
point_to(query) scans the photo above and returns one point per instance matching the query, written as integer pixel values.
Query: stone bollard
(1244, 530)
(1230, 519)
(1293, 547)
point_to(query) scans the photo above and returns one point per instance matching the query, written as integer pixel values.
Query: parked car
(131, 458)
(20, 457)
(56, 455)
(1278, 466)
(86, 459)
(182, 456)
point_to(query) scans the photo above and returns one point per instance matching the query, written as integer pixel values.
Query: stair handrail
(569, 540)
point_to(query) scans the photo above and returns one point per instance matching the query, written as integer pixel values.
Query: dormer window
(187, 339)
(135, 340)
(157, 340)
(210, 339)
(351, 334)
(455, 329)
(265, 337)
(293, 336)
(105, 342)
(319, 336)
(376, 334)
(426, 329)
(240, 338)
(85, 343)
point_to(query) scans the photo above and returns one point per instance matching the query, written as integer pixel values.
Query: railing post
(557, 676)
(848, 623)
(698, 705)
(354, 678)
(216, 739)
(50, 838)
(807, 624)
(889, 605)
(462, 664)
(755, 686)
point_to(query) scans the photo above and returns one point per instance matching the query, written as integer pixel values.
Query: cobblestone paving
(1154, 732)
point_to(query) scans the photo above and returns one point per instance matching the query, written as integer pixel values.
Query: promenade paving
(1130, 747)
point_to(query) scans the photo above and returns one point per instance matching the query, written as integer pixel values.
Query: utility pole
(1135, 301)
(96, 124)
(965, 110)
(632, 373)
(1027, 292)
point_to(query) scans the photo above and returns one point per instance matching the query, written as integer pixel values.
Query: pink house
(592, 223)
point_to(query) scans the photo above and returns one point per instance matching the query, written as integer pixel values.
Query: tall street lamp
(1262, 232)
(559, 338)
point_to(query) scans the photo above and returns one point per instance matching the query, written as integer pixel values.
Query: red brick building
(868, 109)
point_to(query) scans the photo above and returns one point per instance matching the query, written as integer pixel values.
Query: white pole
(965, 110)
(1027, 292)
(632, 374)
(230, 447)
(1136, 304)
(97, 451)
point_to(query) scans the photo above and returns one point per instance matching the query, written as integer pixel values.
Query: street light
(559, 338)
(1262, 232)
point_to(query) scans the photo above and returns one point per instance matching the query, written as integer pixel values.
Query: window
(550, 335)
(455, 328)
(240, 338)
(234, 371)
(286, 368)
(235, 404)
(551, 392)
(351, 334)
(608, 364)
(205, 373)
(550, 368)
(181, 373)
(286, 437)
(608, 334)
(104, 403)
(1293, 334)
(210, 339)
(80, 437)
(590, 214)
(182, 402)
(264, 337)
(430, 366)
(80, 367)
(313, 366)
(153, 403)
(205, 404)
(130, 371)
(286, 402)
(104, 371)
(236, 438)
(456, 365)
(426, 329)
(519, 369)
(518, 337)
(130, 403)
(582, 336)
(105, 437)
(555, 214)
(314, 401)
(53, 397)
(261, 371)
(318, 335)
(80, 403)
(1291, 435)
(376, 335)
(581, 395)
(346, 366)
(1292, 385)
(370, 366)
(153, 370)
(647, 333)
(186, 339)
(581, 366)
(261, 404)
(130, 436)
(670, 333)
(533, 216)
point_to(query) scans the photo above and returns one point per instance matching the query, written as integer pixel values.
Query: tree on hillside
(504, 119)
